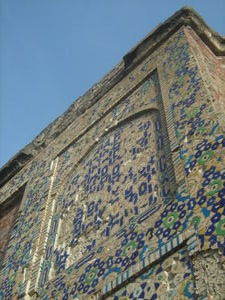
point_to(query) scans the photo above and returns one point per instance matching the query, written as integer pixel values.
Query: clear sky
(52, 51)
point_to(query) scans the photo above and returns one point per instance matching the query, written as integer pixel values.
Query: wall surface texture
(127, 201)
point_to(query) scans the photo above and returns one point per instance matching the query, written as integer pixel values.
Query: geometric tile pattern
(149, 259)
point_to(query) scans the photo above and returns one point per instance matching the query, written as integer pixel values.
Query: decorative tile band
(151, 258)
(193, 244)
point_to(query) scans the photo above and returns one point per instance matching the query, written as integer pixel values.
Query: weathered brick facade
(123, 195)
(7, 218)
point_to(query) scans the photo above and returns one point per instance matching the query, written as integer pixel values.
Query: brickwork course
(123, 195)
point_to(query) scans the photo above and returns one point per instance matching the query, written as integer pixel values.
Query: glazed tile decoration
(127, 202)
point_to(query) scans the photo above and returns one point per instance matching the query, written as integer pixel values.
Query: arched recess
(122, 178)
(125, 176)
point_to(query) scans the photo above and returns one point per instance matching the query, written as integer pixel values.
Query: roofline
(186, 16)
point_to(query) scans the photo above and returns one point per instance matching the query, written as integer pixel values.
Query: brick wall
(7, 218)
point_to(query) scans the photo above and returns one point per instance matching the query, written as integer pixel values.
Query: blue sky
(52, 51)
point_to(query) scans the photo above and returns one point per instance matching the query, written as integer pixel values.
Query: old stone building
(122, 197)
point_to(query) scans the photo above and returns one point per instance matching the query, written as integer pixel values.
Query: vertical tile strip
(48, 211)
